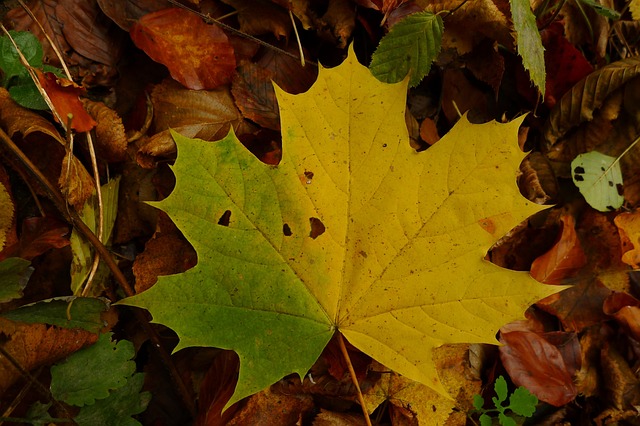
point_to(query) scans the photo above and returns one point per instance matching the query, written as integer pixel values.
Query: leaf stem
(354, 378)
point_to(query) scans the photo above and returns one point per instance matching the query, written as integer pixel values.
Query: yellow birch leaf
(353, 232)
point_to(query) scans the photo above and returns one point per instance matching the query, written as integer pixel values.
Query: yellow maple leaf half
(353, 232)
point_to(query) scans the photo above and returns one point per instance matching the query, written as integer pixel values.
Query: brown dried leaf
(332, 418)
(590, 134)
(269, 408)
(255, 97)
(413, 403)
(578, 105)
(534, 363)
(88, 31)
(252, 13)
(35, 345)
(166, 253)
(207, 115)
(287, 72)
(472, 18)
(216, 390)
(339, 20)
(111, 140)
(41, 142)
(537, 181)
(621, 386)
(126, 12)
(198, 55)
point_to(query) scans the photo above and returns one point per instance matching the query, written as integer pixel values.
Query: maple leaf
(353, 231)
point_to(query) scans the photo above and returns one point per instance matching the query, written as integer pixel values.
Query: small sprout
(521, 403)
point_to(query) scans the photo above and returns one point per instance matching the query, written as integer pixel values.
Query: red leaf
(537, 365)
(198, 55)
(564, 259)
(64, 95)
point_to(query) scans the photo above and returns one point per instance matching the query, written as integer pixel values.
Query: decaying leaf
(578, 105)
(198, 55)
(207, 115)
(33, 133)
(33, 345)
(6, 212)
(252, 13)
(111, 140)
(354, 232)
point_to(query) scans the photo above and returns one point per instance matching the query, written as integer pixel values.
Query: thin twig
(354, 378)
(209, 20)
(49, 39)
(74, 218)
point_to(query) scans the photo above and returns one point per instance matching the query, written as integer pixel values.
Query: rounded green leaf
(599, 179)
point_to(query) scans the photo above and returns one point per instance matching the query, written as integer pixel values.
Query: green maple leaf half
(353, 232)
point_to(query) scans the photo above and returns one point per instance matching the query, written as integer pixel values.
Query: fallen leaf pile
(331, 212)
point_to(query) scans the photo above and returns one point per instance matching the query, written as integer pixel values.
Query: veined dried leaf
(578, 105)
(590, 134)
(7, 211)
(537, 182)
(253, 91)
(126, 13)
(111, 141)
(75, 182)
(252, 13)
(206, 115)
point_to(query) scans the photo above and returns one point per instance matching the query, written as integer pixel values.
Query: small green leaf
(84, 313)
(485, 420)
(92, 372)
(506, 420)
(501, 390)
(522, 402)
(411, 46)
(25, 93)
(117, 409)
(599, 179)
(10, 62)
(478, 402)
(14, 274)
(604, 11)
(528, 41)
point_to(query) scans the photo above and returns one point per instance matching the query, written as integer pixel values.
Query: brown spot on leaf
(317, 227)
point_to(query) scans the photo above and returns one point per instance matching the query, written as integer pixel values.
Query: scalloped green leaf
(90, 373)
(410, 47)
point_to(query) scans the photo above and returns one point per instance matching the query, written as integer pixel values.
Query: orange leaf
(198, 55)
(629, 227)
(564, 259)
(626, 310)
(64, 95)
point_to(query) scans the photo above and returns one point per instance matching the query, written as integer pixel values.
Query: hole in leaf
(578, 170)
(308, 175)
(317, 227)
(286, 230)
(224, 219)
(579, 178)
